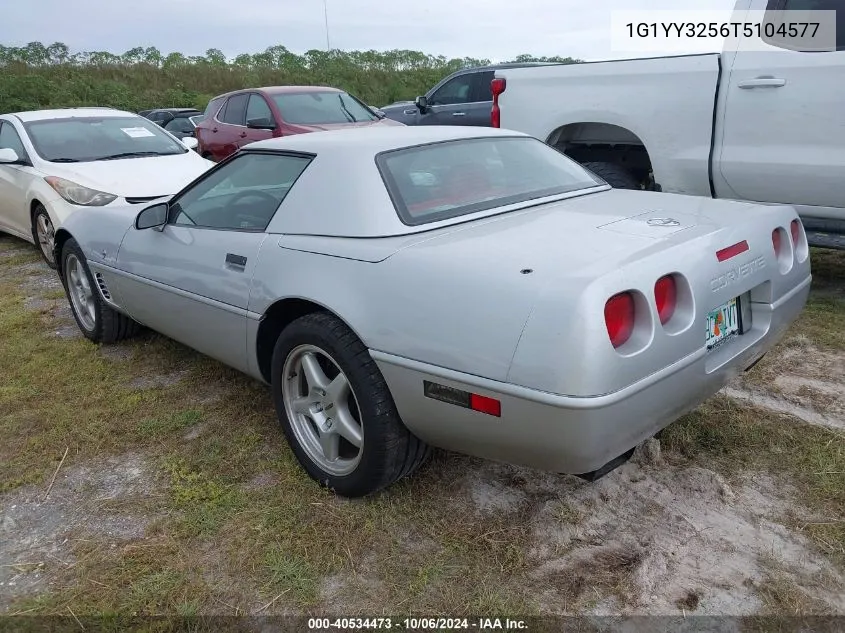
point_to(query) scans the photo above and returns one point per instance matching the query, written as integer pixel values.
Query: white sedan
(54, 162)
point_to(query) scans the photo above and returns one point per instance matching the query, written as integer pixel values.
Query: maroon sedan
(237, 118)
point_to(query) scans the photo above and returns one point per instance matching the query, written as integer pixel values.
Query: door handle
(409, 112)
(459, 114)
(762, 82)
(235, 261)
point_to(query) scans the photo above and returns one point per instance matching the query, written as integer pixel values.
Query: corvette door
(190, 279)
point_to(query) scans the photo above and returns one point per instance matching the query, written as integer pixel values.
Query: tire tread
(616, 176)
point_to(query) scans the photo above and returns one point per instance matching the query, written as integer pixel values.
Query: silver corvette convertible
(466, 288)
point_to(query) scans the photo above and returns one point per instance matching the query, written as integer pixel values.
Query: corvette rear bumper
(577, 435)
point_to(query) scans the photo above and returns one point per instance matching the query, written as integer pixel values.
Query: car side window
(9, 139)
(457, 90)
(235, 111)
(483, 90)
(241, 195)
(257, 108)
(776, 36)
(179, 125)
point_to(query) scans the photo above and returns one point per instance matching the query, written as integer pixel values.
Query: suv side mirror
(422, 103)
(152, 217)
(262, 123)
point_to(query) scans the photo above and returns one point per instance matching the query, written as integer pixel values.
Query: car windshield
(444, 180)
(85, 139)
(321, 108)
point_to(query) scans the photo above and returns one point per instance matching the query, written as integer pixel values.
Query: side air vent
(141, 200)
(103, 287)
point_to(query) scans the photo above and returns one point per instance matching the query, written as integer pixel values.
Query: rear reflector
(665, 296)
(460, 398)
(732, 251)
(619, 318)
(483, 404)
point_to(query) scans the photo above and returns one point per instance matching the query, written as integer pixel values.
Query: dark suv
(462, 98)
(244, 116)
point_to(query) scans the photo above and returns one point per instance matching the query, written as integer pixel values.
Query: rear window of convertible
(438, 181)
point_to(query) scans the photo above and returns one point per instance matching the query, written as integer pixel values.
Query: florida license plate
(722, 324)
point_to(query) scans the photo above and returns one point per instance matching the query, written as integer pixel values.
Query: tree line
(39, 76)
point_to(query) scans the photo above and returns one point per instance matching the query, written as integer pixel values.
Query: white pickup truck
(762, 123)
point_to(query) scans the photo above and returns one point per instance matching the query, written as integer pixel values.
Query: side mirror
(152, 217)
(422, 103)
(261, 124)
(190, 142)
(379, 113)
(9, 156)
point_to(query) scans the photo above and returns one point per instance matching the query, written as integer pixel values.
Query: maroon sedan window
(434, 182)
(321, 108)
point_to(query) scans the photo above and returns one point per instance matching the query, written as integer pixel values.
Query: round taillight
(665, 296)
(619, 318)
(795, 229)
(776, 241)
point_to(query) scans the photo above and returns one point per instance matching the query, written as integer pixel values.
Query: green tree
(39, 76)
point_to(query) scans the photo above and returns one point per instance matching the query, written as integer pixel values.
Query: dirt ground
(177, 495)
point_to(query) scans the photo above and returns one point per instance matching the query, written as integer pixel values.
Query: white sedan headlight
(79, 194)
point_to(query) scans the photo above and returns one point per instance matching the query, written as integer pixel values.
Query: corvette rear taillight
(619, 318)
(795, 229)
(776, 241)
(666, 297)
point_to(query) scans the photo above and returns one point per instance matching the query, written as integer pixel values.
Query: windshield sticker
(136, 132)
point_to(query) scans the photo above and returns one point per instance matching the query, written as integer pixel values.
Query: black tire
(390, 451)
(110, 325)
(616, 176)
(37, 213)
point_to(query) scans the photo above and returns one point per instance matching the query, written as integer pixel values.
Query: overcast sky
(492, 29)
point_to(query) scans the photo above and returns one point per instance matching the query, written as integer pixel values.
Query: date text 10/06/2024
(316, 625)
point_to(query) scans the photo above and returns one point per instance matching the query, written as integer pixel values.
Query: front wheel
(98, 321)
(336, 410)
(43, 234)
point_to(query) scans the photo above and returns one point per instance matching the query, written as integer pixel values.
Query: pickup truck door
(456, 103)
(783, 138)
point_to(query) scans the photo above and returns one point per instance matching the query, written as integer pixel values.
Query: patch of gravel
(67, 332)
(810, 385)
(654, 533)
(37, 536)
(262, 480)
(159, 381)
(116, 353)
(38, 304)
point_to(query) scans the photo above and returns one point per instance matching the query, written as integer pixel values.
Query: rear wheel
(616, 176)
(43, 234)
(96, 319)
(336, 410)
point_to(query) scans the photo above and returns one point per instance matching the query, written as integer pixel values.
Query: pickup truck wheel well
(277, 317)
(605, 143)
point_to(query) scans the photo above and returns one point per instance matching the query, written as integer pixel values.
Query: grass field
(178, 495)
